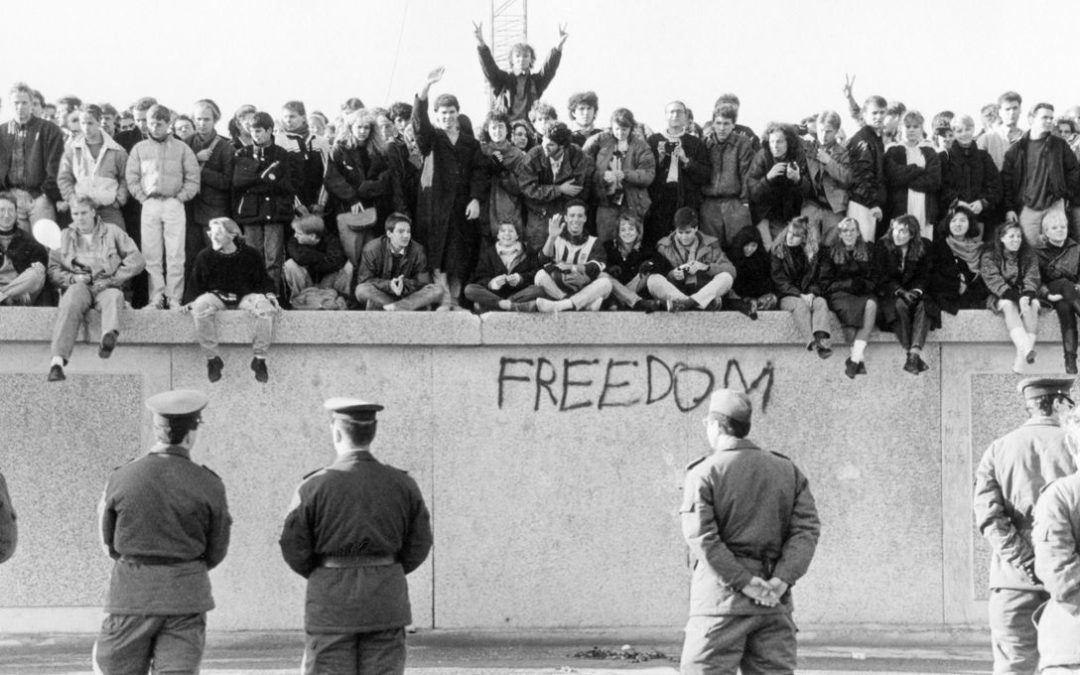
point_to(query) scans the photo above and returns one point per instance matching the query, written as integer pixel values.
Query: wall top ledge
(35, 324)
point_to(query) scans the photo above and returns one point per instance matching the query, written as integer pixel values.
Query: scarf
(685, 253)
(509, 254)
(673, 168)
(968, 250)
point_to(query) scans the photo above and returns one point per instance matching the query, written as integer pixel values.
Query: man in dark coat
(30, 153)
(517, 90)
(682, 170)
(866, 151)
(354, 530)
(453, 181)
(165, 522)
(1013, 472)
(752, 527)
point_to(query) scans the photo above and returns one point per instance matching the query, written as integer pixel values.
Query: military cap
(354, 409)
(1034, 387)
(181, 406)
(732, 404)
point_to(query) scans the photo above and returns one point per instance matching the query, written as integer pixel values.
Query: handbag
(358, 222)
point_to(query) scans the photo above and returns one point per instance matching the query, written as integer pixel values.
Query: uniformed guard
(752, 527)
(165, 521)
(1056, 538)
(1012, 473)
(9, 531)
(354, 530)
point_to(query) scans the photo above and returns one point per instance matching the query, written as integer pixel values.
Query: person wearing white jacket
(93, 165)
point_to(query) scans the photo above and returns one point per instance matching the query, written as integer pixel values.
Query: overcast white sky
(785, 59)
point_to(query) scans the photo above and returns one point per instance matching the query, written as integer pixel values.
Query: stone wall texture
(550, 449)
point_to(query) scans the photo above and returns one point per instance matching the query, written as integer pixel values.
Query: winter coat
(377, 265)
(452, 176)
(121, 258)
(516, 93)
(503, 203)
(216, 175)
(831, 179)
(101, 179)
(729, 163)
(793, 274)
(263, 189)
(693, 175)
(320, 259)
(1056, 540)
(969, 174)
(541, 187)
(867, 153)
(623, 268)
(356, 174)
(753, 274)
(24, 251)
(43, 148)
(1057, 263)
(708, 252)
(946, 272)
(638, 167)
(851, 275)
(489, 265)
(901, 177)
(1012, 275)
(1064, 171)
(776, 199)
(167, 168)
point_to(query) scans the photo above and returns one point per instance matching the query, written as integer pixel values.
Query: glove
(1012, 295)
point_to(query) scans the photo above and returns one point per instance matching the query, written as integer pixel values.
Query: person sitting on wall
(315, 258)
(232, 275)
(572, 262)
(503, 277)
(22, 260)
(93, 266)
(753, 289)
(632, 267)
(700, 273)
(394, 272)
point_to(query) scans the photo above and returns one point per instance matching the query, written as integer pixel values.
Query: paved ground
(435, 653)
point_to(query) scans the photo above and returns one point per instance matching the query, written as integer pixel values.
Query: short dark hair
(588, 98)
(7, 196)
(877, 101)
(558, 132)
(1044, 405)
(108, 109)
(397, 217)
(143, 104)
(295, 106)
(1009, 97)
(497, 117)
(360, 434)
(726, 98)
(726, 111)
(92, 110)
(1042, 104)
(447, 101)
(622, 117)
(263, 120)
(523, 48)
(730, 426)
(400, 109)
(575, 202)
(351, 104)
(159, 112)
(70, 102)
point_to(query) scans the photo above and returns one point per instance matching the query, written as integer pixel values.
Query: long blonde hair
(374, 143)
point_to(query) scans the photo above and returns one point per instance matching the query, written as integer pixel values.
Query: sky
(785, 59)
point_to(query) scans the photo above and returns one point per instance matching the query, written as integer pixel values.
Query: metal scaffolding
(509, 26)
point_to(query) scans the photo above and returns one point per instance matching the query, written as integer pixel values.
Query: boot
(1070, 363)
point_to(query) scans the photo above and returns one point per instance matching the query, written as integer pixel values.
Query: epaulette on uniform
(780, 455)
(211, 471)
(697, 461)
(312, 473)
(117, 468)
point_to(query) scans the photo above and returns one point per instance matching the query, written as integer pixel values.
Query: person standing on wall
(752, 527)
(1012, 473)
(354, 530)
(165, 521)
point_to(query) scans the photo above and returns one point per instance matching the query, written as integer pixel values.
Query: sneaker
(912, 364)
(528, 307)
(1030, 356)
(862, 368)
(259, 366)
(923, 367)
(649, 306)
(851, 369)
(56, 374)
(159, 302)
(824, 351)
(545, 305)
(1070, 364)
(213, 368)
(745, 307)
(108, 344)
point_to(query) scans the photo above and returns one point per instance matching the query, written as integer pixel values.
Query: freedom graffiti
(621, 383)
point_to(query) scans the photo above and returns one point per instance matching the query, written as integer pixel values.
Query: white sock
(858, 351)
(1031, 341)
(57, 361)
(1019, 338)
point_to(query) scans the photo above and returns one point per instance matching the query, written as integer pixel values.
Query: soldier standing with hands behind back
(165, 522)
(1012, 473)
(752, 527)
(354, 530)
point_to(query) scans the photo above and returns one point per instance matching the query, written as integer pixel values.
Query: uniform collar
(732, 443)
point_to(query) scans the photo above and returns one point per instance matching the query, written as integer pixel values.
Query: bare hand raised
(562, 34)
(436, 75)
(555, 226)
(849, 84)
(478, 30)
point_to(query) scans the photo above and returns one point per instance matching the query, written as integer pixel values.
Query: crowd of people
(411, 207)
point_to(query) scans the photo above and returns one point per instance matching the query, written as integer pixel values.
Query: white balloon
(47, 232)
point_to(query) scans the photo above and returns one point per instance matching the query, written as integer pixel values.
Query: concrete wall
(551, 451)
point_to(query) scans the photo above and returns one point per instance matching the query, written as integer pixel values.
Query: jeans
(164, 232)
(422, 298)
(204, 311)
(77, 300)
(25, 288)
(269, 241)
